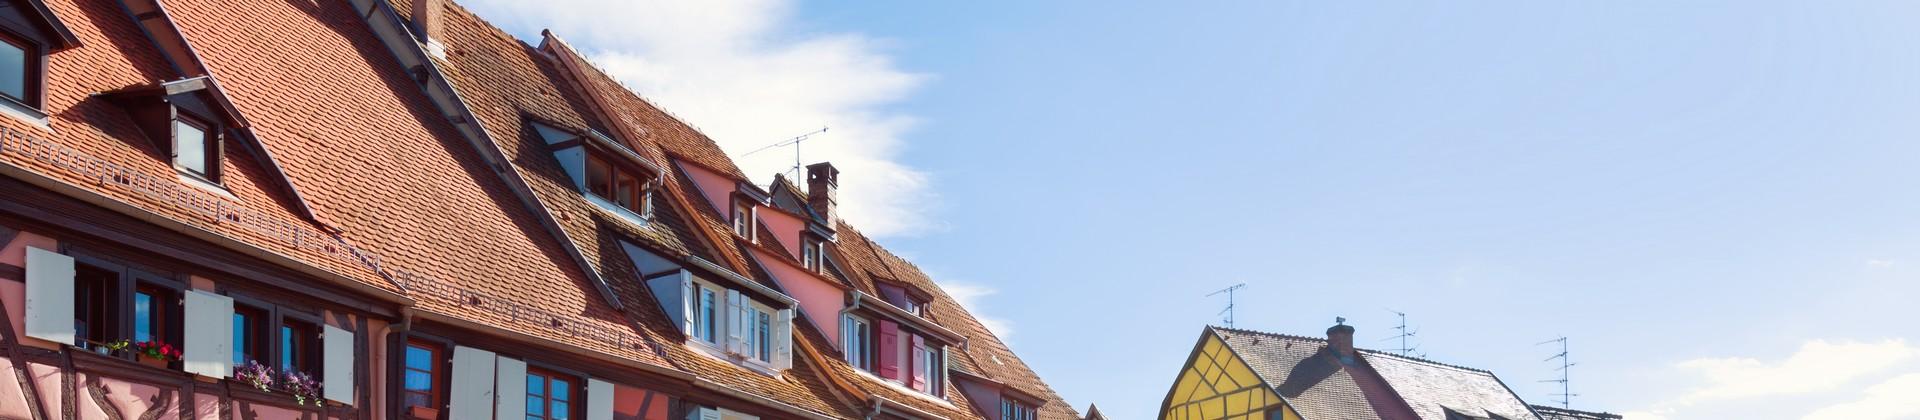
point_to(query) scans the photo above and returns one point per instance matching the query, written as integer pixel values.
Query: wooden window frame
(258, 335)
(311, 344)
(209, 144)
(639, 203)
(33, 76)
(576, 386)
(742, 221)
(439, 374)
(864, 349)
(130, 279)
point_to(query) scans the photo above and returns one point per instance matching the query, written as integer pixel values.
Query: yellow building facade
(1218, 384)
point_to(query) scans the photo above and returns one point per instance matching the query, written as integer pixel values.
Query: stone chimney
(428, 24)
(822, 181)
(1340, 340)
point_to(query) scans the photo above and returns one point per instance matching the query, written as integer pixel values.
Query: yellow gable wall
(1219, 385)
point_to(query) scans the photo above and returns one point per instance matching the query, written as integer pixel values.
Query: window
(742, 219)
(708, 315)
(18, 65)
(855, 334)
(299, 347)
(761, 342)
(195, 148)
(154, 309)
(810, 253)
(96, 305)
(249, 335)
(623, 186)
(549, 395)
(928, 368)
(1015, 410)
(420, 377)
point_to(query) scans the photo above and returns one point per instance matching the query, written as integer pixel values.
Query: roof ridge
(1425, 360)
(1265, 333)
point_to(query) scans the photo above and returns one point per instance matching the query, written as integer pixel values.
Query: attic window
(620, 184)
(196, 149)
(19, 68)
(810, 253)
(743, 218)
(607, 173)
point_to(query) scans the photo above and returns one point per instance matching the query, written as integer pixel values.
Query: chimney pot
(822, 181)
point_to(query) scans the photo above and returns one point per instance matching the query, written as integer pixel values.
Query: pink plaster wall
(819, 300)
(627, 401)
(786, 228)
(13, 400)
(14, 294)
(718, 189)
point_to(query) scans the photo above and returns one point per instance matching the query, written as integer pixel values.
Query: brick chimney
(428, 24)
(822, 181)
(1340, 340)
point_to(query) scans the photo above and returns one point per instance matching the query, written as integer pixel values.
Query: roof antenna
(1566, 366)
(795, 142)
(1405, 350)
(1229, 311)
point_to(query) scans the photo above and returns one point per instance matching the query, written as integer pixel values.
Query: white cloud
(969, 296)
(1880, 263)
(1818, 366)
(734, 69)
(1825, 380)
(1898, 398)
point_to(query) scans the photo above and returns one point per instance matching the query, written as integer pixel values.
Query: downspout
(878, 403)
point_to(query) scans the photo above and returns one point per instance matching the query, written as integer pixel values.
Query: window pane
(707, 315)
(536, 405)
(418, 380)
(239, 340)
(419, 358)
(766, 336)
(13, 71)
(559, 410)
(286, 348)
(599, 175)
(625, 190)
(190, 146)
(142, 317)
(536, 385)
(560, 390)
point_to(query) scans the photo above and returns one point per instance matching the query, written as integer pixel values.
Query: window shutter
(337, 358)
(709, 414)
(599, 400)
(889, 349)
(510, 384)
(471, 394)
(49, 296)
(690, 301)
(916, 378)
(783, 339)
(209, 335)
(735, 333)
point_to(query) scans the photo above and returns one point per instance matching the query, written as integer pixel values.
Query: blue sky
(1716, 200)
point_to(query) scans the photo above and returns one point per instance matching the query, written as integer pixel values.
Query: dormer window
(196, 148)
(622, 185)
(19, 70)
(28, 32)
(1015, 410)
(607, 173)
(743, 218)
(911, 301)
(811, 254)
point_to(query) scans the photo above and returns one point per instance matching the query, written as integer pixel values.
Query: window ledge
(203, 185)
(24, 113)
(897, 386)
(715, 352)
(621, 212)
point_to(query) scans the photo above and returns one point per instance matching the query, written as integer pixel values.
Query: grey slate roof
(1556, 413)
(1374, 386)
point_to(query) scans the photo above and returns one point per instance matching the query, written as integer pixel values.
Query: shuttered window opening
(422, 380)
(551, 396)
(52, 294)
(856, 342)
(470, 395)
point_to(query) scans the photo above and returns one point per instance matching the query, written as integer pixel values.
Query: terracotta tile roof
(89, 133)
(986, 355)
(379, 160)
(1376, 385)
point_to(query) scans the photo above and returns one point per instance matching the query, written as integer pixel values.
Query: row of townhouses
(390, 209)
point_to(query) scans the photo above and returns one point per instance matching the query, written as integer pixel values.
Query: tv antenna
(1229, 311)
(1404, 349)
(795, 142)
(1566, 367)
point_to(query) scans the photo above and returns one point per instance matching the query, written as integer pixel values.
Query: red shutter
(889, 349)
(913, 367)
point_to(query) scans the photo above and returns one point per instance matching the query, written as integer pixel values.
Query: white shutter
(471, 394)
(337, 359)
(50, 296)
(689, 301)
(510, 384)
(209, 335)
(783, 339)
(599, 400)
(734, 330)
(705, 413)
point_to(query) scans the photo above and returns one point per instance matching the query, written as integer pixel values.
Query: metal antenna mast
(1229, 311)
(1404, 349)
(795, 142)
(1566, 368)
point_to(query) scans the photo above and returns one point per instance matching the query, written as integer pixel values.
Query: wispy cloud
(969, 295)
(736, 70)
(1837, 376)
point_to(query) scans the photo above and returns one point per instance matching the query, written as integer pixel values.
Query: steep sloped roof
(1432, 388)
(1374, 385)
